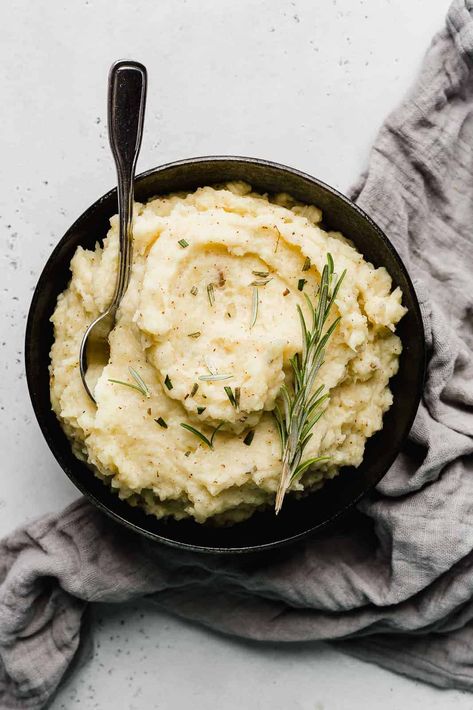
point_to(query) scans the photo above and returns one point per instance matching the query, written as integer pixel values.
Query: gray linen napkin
(393, 586)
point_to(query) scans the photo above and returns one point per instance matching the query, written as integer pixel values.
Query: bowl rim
(134, 527)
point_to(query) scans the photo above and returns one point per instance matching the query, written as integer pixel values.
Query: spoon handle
(127, 84)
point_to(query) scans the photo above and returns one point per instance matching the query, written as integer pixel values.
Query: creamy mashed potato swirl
(201, 262)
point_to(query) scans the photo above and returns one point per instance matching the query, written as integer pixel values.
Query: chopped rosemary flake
(306, 266)
(161, 422)
(168, 382)
(237, 397)
(301, 283)
(197, 334)
(194, 389)
(188, 453)
(254, 306)
(211, 294)
(261, 282)
(215, 377)
(286, 292)
(201, 409)
(182, 243)
(249, 437)
(194, 290)
(202, 437)
(231, 396)
(261, 274)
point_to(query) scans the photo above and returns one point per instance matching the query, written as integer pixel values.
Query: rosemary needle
(208, 442)
(215, 377)
(234, 397)
(140, 385)
(277, 241)
(210, 366)
(213, 373)
(139, 381)
(126, 384)
(254, 306)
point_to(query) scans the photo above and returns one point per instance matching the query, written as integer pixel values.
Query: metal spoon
(127, 83)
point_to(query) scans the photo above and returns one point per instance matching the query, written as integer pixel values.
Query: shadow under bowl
(298, 518)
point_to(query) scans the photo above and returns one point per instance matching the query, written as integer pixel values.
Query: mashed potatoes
(211, 304)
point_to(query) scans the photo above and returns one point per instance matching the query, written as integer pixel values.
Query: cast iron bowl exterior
(298, 518)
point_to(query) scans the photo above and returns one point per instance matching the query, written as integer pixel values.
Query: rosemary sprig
(140, 385)
(254, 306)
(303, 407)
(208, 442)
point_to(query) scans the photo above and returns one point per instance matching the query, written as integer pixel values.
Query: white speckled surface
(300, 82)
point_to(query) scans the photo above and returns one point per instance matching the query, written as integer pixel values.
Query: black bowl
(298, 517)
